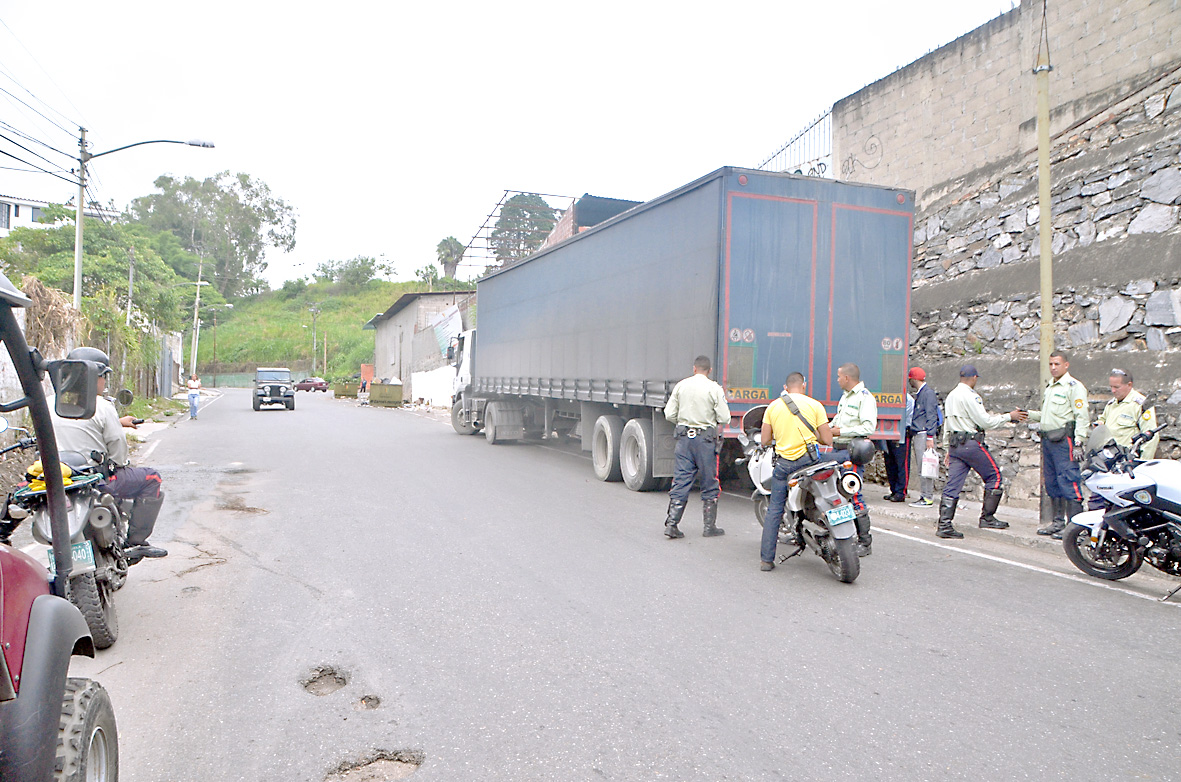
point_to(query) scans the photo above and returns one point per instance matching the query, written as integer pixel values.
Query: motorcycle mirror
(125, 397)
(743, 440)
(75, 384)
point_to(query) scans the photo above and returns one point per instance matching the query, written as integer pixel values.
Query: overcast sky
(389, 126)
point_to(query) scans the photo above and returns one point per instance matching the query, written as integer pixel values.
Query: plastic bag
(930, 467)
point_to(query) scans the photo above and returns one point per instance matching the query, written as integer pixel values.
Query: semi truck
(764, 273)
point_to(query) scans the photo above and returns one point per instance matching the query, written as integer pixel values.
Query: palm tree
(450, 253)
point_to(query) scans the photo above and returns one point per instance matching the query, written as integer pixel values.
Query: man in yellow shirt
(796, 444)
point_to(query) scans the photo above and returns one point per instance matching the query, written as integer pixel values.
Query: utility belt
(956, 439)
(1058, 435)
(708, 434)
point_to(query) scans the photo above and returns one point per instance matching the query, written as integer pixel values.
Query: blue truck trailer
(765, 273)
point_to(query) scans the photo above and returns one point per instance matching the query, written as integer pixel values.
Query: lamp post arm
(193, 143)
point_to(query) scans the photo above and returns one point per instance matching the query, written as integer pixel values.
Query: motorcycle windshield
(1100, 437)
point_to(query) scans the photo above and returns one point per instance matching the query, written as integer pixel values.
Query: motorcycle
(98, 534)
(819, 513)
(1142, 521)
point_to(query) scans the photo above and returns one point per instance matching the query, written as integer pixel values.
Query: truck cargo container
(765, 273)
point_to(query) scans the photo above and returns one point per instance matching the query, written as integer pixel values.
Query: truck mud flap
(664, 458)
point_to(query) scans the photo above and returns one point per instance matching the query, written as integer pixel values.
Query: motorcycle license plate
(83, 559)
(840, 515)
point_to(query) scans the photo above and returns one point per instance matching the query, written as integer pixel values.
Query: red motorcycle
(52, 727)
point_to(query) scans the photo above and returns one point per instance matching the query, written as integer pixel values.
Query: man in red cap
(920, 434)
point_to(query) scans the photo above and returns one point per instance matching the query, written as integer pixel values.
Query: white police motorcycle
(1142, 521)
(819, 514)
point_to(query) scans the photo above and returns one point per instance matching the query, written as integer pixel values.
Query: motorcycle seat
(811, 469)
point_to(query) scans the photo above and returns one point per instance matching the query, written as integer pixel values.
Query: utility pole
(315, 310)
(130, 281)
(82, 158)
(196, 323)
(1045, 229)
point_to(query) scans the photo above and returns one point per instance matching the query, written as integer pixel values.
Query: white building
(16, 212)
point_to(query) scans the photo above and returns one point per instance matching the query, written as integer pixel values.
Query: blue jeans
(193, 399)
(775, 507)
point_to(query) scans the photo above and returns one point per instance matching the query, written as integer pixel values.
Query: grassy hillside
(268, 329)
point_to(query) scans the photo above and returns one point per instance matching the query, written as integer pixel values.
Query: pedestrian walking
(1063, 423)
(924, 426)
(895, 456)
(696, 407)
(1125, 417)
(967, 421)
(194, 385)
(856, 419)
(797, 424)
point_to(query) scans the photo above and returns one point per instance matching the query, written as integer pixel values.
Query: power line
(42, 170)
(27, 137)
(31, 152)
(51, 81)
(35, 111)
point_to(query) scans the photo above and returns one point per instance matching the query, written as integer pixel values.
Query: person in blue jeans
(796, 437)
(194, 395)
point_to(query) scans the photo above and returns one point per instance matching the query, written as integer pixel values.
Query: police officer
(964, 435)
(1125, 417)
(1063, 420)
(797, 433)
(856, 418)
(104, 433)
(696, 407)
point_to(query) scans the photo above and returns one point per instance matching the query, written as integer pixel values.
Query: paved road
(519, 620)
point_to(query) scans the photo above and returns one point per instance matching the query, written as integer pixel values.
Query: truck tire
(457, 423)
(635, 455)
(96, 600)
(87, 737)
(605, 444)
(490, 411)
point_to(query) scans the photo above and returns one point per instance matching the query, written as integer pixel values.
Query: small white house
(18, 212)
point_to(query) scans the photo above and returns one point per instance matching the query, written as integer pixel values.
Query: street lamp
(315, 310)
(83, 158)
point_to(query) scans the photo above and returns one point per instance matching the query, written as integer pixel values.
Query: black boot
(709, 514)
(988, 519)
(864, 539)
(946, 514)
(1059, 521)
(675, 511)
(139, 528)
(1071, 508)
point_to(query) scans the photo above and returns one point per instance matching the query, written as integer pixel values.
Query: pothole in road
(368, 703)
(190, 591)
(238, 505)
(324, 680)
(379, 766)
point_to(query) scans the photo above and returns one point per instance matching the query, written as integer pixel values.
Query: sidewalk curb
(1019, 533)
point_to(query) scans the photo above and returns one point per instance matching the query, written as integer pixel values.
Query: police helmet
(861, 452)
(91, 354)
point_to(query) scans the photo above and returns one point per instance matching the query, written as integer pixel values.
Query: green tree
(356, 271)
(450, 253)
(525, 220)
(230, 220)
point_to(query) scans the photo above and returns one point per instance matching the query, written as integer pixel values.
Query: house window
(5, 211)
(16, 210)
(35, 214)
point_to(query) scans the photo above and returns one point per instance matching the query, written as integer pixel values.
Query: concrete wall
(403, 343)
(968, 109)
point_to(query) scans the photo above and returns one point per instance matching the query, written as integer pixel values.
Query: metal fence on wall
(808, 152)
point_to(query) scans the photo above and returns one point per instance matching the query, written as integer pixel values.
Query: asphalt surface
(517, 619)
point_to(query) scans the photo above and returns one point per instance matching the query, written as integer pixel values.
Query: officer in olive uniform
(1125, 417)
(1064, 419)
(696, 407)
(856, 418)
(964, 429)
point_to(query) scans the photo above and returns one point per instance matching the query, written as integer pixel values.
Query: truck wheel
(605, 442)
(635, 455)
(87, 738)
(457, 423)
(490, 411)
(256, 404)
(96, 601)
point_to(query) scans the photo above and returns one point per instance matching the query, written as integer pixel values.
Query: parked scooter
(51, 727)
(1142, 521)
(819, 514)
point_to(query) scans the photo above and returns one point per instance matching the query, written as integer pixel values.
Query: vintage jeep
(273, 386)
